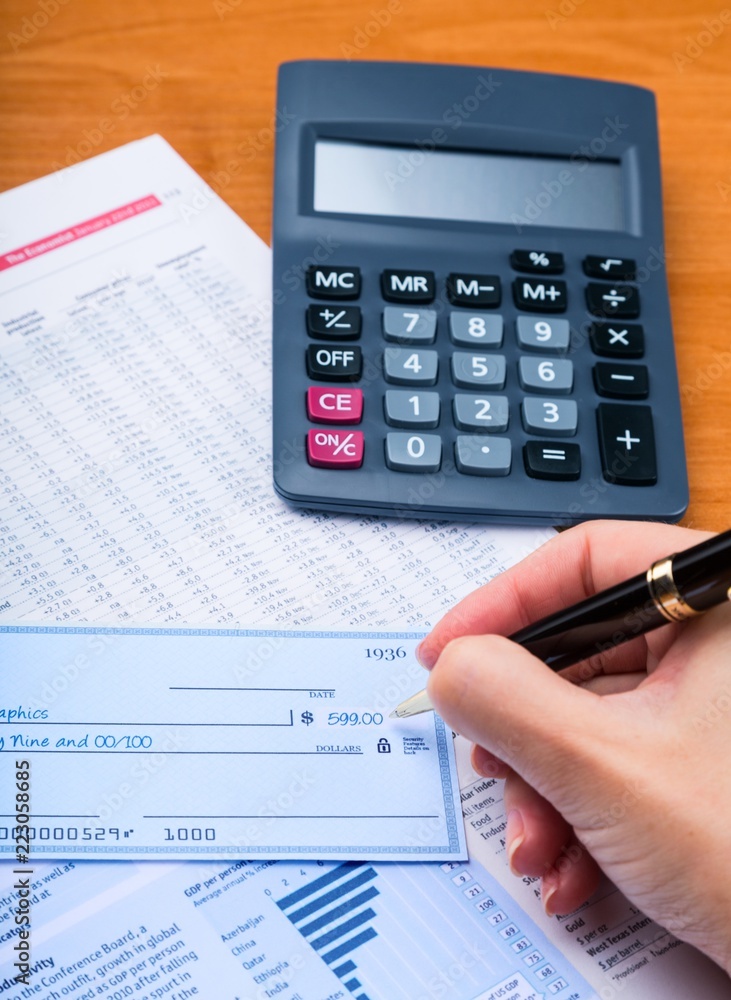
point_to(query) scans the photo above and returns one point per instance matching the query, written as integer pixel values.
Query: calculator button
(481, 413)
(335, 449)
(334, 406)
(548, 460)
(621, 381)
(404, 367)
(537, 375)
(334, 364)
(476, 330)
(404, 326)
(535, 295)
(413, 452)
(333, 282)
(610, 268)
(536, 262)
(470, 370)
(627, 444)
(480, 290)
(550, 416)
(340, 323)
(543, 334)
(408, 286)
(621, 340)
(477, 455)
(613, 300)
(403, 408)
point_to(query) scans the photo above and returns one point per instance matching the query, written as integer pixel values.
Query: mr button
(334, 364)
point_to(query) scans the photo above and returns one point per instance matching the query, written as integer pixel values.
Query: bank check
(197, 743)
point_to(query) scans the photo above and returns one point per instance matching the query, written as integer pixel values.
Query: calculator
(471, 316)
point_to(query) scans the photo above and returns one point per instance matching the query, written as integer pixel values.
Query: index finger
(568, 568)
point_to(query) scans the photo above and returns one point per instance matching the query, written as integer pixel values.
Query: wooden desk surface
(84, 76)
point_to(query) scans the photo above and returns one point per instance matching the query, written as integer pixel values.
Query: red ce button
(335, 406)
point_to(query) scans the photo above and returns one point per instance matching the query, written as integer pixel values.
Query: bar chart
(413, 932)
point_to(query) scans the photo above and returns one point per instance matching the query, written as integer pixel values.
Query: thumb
(499, 695)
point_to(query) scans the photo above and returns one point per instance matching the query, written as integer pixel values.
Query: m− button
(476, 290)
(334, 364)
(333, 282)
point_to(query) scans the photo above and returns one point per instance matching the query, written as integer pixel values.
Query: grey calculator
(471, 315)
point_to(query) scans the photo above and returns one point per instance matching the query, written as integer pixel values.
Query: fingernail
(549, 888)
(514, 836)
(423, 657)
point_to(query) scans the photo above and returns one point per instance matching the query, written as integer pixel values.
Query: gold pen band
(666, 596)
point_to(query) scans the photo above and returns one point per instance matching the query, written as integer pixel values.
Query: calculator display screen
(362, 178)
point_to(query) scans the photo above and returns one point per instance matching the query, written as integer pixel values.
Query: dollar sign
(307, 718)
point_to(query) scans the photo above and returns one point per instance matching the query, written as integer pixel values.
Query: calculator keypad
(417, 338)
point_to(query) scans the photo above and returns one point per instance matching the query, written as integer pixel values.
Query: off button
(334, 364)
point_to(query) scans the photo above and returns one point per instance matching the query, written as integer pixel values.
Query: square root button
(335, 449)
(478, 455)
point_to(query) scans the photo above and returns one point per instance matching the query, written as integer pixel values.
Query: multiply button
(340, 323)
(617, 340)
(481, 290)
(335, 449)
(334, 406)
(333, 282)
(613, 300)
(534, 295)
(334, 364)
(627, 444)
(408, 286)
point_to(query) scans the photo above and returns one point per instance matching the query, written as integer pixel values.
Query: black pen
(673, 589)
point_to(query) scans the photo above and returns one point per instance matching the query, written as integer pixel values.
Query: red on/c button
(335, 406)
(335, 449)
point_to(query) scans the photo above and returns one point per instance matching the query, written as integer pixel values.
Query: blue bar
(330, 897)
(319, 883)
(346, 928)
(339, 911)
(346, 946)
(353, 985)
(344, 969)
(362, 997)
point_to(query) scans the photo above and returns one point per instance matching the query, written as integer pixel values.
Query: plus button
(627, 440)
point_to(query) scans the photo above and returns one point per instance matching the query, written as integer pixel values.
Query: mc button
(334, 364)
(333, 282)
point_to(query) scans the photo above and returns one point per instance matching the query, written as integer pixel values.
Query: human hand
(628, 768)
